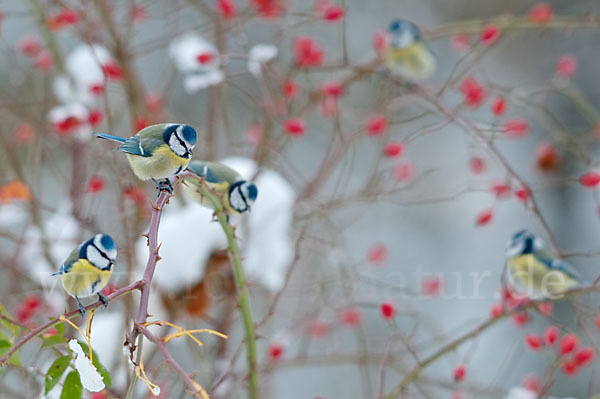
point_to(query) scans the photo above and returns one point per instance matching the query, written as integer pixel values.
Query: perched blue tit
(158, 151)
(88, 268)
(532, 265)
(406, 53)
(237, 195)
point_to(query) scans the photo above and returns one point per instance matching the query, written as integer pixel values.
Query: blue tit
(405, 53)
(237, 195)
(88, 268)
(158, 151)
(532, 265)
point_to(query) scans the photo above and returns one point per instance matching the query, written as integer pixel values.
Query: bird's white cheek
(236, 201)
(514, 251)
(96, 258)
(176, 146)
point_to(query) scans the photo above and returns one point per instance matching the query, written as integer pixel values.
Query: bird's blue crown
(187, 133)
(107, 242)
(401, 26)
(252, 191)
(525, 240)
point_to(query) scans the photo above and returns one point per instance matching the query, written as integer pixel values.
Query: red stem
(153, 259)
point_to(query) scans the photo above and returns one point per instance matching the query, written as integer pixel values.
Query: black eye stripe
(187, 151)
(239, 189)
(180, 141)
(104, 255)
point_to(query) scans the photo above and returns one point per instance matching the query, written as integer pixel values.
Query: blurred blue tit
(406, 54)
(158, 151)
(237, 195)
(88, 268)
(532, 265)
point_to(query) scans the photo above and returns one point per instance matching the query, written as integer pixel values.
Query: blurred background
(384, 207)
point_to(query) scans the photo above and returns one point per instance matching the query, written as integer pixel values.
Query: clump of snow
(77, 89)
(259, 55)
(76, 115)
(189, 236)
(266, 246)
(521, 393)
(198, 60)
(61, 232)
(89, 376)
(12, 214)
(83, 66)
(195, 83)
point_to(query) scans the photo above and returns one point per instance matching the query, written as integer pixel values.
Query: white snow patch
(184, 51)
(195, 83)
(76, 111)
(84, 70)
(521, 393)
(259, 55)
(188, 235)
(89, 376)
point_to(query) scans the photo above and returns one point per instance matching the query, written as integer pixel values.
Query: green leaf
(15, 360)
(5, 346)
(9, 326)
(72, 386)
(60, 327)
(52, 340)
(56, 370)
(96, 362)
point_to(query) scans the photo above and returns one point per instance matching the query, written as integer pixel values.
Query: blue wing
(66, 266)
(109, 137)
(134, 145)
(554, 263)
(214, 172)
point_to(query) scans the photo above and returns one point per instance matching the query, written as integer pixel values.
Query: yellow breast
(535, 276)
(162, 164)
(84, 279)
(414, 62)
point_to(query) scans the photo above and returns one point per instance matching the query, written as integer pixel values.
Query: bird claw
(103, 299)
(80, 306)
(163, 185)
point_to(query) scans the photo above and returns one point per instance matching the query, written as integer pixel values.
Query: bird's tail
(57, 273)
(109, 137)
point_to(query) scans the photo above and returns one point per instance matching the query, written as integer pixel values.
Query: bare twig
(153, 259)
(69, 315)
(169, 359)
(414, 373)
